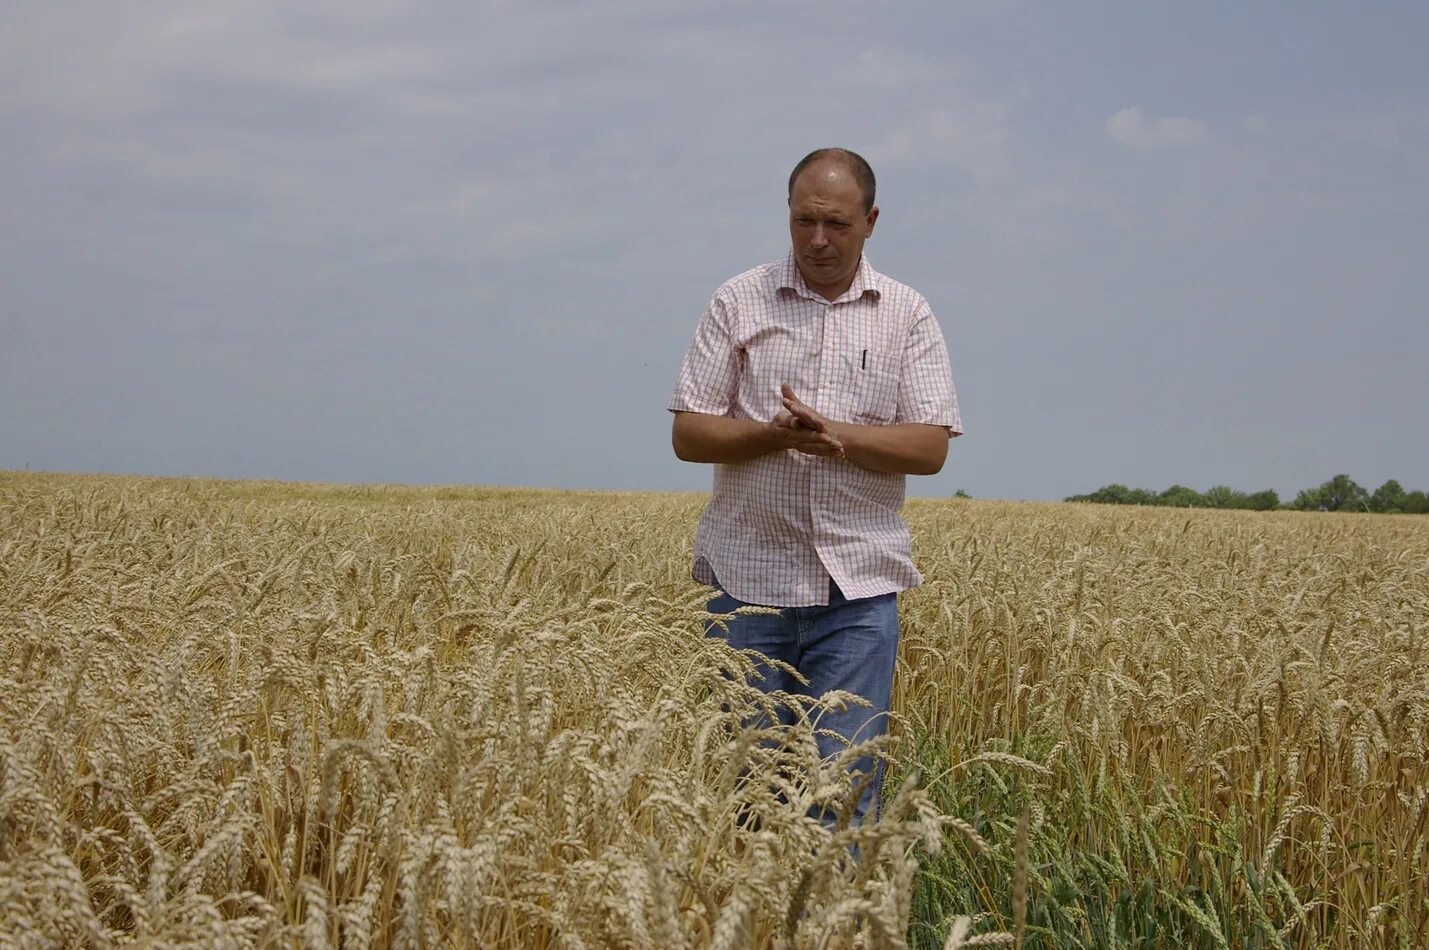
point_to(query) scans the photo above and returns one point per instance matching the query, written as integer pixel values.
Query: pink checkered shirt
(777, 528)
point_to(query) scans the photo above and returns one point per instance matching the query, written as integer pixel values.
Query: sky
(469, 242)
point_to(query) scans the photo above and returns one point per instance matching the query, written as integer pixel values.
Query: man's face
(828, 225)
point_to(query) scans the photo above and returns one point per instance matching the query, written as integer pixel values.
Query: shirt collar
(788, 277)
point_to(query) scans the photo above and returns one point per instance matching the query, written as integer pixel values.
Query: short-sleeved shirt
(780, 526)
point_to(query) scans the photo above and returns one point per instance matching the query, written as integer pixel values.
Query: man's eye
(838, 225)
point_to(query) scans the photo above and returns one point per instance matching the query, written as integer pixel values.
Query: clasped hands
(799, 427)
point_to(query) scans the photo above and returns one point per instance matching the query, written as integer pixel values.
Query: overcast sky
(468, 242)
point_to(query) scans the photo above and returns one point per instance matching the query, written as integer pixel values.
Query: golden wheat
(244, 713)
(234, 715)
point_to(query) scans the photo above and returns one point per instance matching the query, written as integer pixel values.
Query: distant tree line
(1338, 494)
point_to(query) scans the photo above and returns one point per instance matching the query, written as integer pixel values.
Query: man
(815, 385)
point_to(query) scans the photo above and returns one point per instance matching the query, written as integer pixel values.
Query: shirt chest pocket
(873, 395)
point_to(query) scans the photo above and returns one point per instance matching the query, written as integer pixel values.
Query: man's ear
(872, 219)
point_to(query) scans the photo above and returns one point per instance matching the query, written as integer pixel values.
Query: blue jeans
(849, 645)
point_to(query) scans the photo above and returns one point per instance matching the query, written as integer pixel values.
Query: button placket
(826, 361)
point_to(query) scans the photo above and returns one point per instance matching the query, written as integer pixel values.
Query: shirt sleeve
(925, 383)
(709, 375)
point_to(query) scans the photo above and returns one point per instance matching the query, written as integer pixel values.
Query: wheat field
(266, 714)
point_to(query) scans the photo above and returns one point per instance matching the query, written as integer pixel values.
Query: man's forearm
(908, 449)
(911, 449)
(699, 437)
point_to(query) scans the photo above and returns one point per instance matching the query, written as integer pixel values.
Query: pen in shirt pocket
(863, 363)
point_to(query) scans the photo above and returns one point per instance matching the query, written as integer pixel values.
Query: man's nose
(819, 239)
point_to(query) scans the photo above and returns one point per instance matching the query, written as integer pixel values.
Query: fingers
(807, 417)
(793, 433)
(824, 449)
(802, 412)
(816, 443)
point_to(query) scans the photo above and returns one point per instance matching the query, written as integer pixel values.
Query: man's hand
(804, 414)
(908, 449)
(796, 426)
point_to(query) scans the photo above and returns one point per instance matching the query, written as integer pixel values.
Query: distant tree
(1266, 500)
(1416, 503)
(1223, 496)
(961, 494)
(1388, 498)
(1106, 495)
(1338, 494)
(1111, 494)
(1179, 496)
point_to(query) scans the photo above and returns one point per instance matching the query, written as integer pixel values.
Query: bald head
(851, 163)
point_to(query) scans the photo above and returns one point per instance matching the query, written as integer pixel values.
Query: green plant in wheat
(1222, 718)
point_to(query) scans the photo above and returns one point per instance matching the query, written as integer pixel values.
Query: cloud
(1132, 129)
(964, 133)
